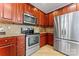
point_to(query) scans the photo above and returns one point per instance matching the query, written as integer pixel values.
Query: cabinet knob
(6, 40)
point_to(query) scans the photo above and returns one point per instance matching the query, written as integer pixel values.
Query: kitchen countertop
(3, 36)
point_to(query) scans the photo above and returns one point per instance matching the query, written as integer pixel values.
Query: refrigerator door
(67, 25)
(57, 26)
(75, 27)
(62, 21)
(74, 48)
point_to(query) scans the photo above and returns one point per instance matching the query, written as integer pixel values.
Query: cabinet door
(46, 21)
(65, 10)
(14, 12)
(51, 20)
(8, 50)
(8, 10)
(20, 13)
(50, 39)
(72, 8)
(77, 6)
(21, 45)
(42, 41)
(27, 8)
(42, 19)
(40, 22)
(1, 10)
(12, 49)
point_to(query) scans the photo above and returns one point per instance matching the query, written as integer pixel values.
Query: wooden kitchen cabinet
(77, 6)
(72, 7)
(27, 8)
(42, 40)
(65, 10)
(41, 19)
(46, 21)
(8, 46)
(50, 39)
(21, 45)
(51, 20)
(8, 50)
(12, 12)
(7, 10)
(1, 10)
(20, 13)
(17, 12)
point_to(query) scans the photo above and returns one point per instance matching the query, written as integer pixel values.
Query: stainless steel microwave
(29, 19)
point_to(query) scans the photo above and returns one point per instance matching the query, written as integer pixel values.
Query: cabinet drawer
(11, 40)
(5, 41)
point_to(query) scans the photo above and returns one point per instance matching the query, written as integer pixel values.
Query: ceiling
(48, 7)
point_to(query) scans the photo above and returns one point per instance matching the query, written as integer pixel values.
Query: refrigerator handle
(64, 32)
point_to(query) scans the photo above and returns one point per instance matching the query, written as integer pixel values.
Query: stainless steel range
(32, 43)
(32, 40)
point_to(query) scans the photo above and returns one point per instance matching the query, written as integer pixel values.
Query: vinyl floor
(47, 50)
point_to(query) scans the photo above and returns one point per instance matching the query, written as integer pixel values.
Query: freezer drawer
(65, 48)
(57, 44)
(74, 48)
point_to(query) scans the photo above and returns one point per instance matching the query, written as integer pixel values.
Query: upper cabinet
(51, 19)
(72, 8)
(17, 12)
(7, 10)
(1, 10)
(46, 21)
(77, 6)
(41, 19)
(12, 12)
(27, 8)
(20, 12)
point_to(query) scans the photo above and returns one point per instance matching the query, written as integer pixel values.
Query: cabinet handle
(7, 45)
(6, 40)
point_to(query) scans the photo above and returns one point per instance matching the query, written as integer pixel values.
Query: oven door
(32, 41)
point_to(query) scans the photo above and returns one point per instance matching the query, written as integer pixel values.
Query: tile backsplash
(13, 29)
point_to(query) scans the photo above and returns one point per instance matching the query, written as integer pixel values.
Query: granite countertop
(3, 36)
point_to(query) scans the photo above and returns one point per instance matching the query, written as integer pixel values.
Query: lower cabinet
(21, 45)
(42, 40)
(8, 50)
(50, 39)
(12, 46)
(8, 46)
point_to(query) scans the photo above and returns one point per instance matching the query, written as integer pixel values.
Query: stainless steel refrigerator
(66, 33)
